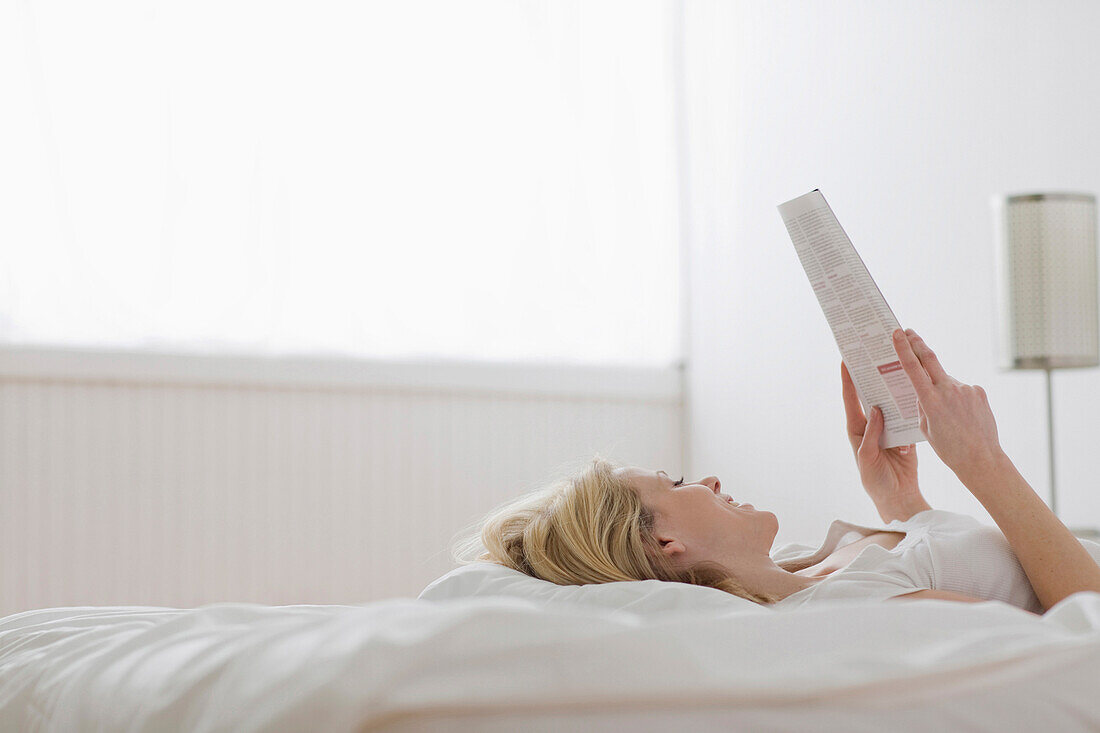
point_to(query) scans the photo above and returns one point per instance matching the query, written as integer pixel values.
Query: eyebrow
(666, 475)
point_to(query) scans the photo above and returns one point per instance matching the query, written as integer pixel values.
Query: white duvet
(413, 664)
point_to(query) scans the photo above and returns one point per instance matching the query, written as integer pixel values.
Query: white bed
(486, 648)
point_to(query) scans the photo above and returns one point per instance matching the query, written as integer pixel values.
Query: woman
(615, 523)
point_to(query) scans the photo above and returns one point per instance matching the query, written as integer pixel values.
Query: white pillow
(640, 596)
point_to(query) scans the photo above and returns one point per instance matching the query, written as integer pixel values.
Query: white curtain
(484, 180)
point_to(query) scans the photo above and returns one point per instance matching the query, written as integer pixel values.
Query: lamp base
(1086, 533)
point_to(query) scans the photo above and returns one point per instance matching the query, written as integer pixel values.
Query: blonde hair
(590, 527)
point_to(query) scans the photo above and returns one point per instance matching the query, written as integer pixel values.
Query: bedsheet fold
(244, 667)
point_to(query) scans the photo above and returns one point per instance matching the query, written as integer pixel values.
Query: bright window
(486, 180)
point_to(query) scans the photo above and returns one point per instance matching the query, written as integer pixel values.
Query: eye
(680, 482)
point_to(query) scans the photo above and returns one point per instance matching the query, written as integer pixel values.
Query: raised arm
(960, 427)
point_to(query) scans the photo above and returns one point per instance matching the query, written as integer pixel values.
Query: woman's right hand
(954, 417)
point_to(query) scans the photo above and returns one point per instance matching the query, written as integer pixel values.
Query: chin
(772, 532)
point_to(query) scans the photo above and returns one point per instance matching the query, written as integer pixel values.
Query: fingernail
(911, 332)
(898, 334)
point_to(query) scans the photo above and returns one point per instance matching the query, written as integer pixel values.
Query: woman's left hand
(889, 476)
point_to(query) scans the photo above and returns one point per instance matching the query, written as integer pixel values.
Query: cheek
(728, 525)
(743, 528)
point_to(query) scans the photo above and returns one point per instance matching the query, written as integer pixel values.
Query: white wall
(909, 117)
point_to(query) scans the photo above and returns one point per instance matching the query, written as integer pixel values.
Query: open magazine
(857, 313)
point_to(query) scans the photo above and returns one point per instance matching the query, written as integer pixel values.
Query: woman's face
(695, 521)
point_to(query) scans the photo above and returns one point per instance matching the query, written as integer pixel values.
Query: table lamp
(1047, 292)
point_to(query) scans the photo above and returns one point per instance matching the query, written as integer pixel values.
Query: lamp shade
(1046, 252)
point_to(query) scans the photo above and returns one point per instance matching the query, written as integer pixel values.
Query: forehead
(646, 482)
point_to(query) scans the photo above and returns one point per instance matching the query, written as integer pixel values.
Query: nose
(713, 482)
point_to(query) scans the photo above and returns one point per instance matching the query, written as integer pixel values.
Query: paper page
(857, 313)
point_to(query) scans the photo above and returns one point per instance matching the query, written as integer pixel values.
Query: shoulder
(939, 519)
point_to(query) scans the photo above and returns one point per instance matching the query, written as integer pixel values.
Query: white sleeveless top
(941, 550)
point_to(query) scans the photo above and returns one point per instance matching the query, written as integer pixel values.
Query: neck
(767, 577)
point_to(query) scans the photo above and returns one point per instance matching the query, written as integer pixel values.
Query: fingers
(927, 357)
(911, 364)
(868, 448)
(852, 409)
